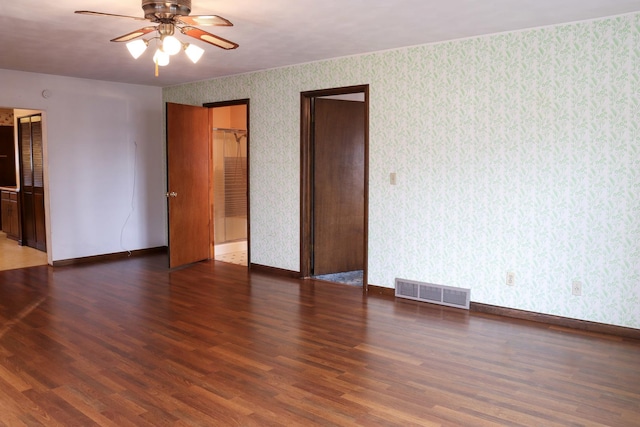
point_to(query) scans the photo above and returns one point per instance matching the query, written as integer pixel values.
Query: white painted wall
(98, 135)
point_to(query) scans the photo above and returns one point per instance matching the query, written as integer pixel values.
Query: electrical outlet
(576, 288)
(511, 278)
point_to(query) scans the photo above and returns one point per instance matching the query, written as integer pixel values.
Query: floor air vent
(437, 294)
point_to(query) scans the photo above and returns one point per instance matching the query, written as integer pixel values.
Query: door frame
(210, 105)
(306, 175)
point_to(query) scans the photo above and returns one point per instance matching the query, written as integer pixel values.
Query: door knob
(172, 194)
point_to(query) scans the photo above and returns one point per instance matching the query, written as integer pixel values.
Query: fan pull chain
(156, 61)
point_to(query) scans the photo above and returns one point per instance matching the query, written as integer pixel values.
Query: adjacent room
(22, 235)
(199, 181)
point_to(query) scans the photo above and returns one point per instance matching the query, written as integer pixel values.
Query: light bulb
(193, 52)
(161, 58)
(171, 45)
(137, 47)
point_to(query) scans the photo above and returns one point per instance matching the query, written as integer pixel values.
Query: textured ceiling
(47, 37)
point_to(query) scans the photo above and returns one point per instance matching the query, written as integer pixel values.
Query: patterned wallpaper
(513, 152)
(6, 117)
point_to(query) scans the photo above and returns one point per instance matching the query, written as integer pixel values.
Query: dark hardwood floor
(129, 343)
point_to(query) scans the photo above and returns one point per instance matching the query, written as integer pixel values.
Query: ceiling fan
(171, 16)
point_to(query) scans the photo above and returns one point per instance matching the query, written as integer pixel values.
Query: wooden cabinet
(10, 214)
(7, 157)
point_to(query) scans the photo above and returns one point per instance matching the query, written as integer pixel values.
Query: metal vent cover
(436, 294)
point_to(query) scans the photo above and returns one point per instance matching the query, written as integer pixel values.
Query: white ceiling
(47, 37)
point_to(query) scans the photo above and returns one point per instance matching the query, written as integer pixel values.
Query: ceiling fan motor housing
(165, 9)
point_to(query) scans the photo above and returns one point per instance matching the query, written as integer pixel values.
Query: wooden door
(188, 183)
(32, 182)
(338, 186)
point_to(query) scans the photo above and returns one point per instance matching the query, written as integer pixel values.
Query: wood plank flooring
(130, 343)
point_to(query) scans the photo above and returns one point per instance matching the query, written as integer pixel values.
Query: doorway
(334, 189)
(23, 222)
(230, 183)
(190, 181)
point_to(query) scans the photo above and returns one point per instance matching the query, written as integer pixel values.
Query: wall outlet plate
(511, 278)
(576, 288)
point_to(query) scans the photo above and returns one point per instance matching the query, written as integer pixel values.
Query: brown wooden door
(32, 182)
(188, 183)
(338, 189)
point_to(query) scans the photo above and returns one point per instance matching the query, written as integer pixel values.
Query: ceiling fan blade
(89, 12)
(134, 34)
(204, 20)
(208, 37)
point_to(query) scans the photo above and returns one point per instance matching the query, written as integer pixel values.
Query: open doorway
(230, 149)
(191, 179)
(334, 176)
(19, 217)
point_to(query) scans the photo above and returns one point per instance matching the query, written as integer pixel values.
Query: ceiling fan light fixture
(137, 47)
(161, 58)
(193, 52)
(171, 45)
(170, 15)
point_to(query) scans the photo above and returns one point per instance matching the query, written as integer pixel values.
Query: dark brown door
(188, 183)
(32, 182)
(338, 186)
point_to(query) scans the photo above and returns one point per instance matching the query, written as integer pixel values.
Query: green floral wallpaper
(514, 152)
